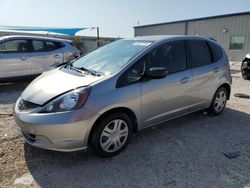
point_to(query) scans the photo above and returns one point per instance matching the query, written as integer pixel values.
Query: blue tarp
(66, 31)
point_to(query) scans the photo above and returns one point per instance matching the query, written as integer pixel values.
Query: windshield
(110, 58)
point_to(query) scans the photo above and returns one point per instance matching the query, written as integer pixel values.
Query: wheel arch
(125, 110)
(227, 87)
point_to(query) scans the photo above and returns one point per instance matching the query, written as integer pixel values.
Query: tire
(243, 74)
(219, 101)
(245, 77)
(112, 135)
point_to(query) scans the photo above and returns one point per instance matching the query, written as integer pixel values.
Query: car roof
(157, 38)
(33, 37)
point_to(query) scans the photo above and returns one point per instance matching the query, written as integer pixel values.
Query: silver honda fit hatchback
(100, 99)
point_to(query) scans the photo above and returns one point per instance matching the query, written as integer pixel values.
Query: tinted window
(14, 46)
(45, 46)
(133, 74)
(216, 51)
(51, 45)
(38, 45)
(172, 56)
(200, 54)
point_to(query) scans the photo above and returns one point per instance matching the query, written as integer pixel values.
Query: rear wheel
(112, 135)
(219, 101)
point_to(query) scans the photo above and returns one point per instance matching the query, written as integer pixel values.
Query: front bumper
(64, 131)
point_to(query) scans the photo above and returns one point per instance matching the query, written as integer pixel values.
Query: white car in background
(22, 56)
(245, 67)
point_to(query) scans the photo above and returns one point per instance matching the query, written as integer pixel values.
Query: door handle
(23, 58)
(184, 80)
(216, 69)
(56, 56)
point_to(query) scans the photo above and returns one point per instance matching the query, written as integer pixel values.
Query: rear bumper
(66, 131)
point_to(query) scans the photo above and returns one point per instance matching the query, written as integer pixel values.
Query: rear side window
(216, 51)
(45, 46)
(172, 56)
(38, 45)
(200, 53)
(15, 46)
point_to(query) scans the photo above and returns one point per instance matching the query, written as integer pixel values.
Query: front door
(14, 58)
(169, 97)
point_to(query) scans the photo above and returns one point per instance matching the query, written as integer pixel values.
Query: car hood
(55, 82)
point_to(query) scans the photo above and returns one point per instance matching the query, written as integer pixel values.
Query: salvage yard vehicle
(100, 99)
(23, 56)
(245, 67)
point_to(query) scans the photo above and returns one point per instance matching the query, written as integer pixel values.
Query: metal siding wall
(168, 29)
(235, 25)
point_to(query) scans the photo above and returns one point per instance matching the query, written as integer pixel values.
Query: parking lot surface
(197, 150)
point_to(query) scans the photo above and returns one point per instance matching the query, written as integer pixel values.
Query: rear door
(204, 71)
(45, 55)
(14, 58)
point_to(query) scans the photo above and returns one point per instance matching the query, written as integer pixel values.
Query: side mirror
(157, 72)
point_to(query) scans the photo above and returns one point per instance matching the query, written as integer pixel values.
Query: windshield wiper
(90, 71)
(73, 68)
(70, 64)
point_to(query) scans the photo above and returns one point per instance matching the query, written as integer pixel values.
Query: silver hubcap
(220, 101)
(114, 135)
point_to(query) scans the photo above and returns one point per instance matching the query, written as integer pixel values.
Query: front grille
(30, 137)
(26, 105)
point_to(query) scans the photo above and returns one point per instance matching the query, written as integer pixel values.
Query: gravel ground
(187, 152)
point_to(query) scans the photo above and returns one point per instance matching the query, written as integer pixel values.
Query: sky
(115, 18)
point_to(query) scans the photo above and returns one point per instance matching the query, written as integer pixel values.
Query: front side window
(14, 46)
(171, 56)
(133, 74)
(200, 53)
(237, 43)
(112, 57)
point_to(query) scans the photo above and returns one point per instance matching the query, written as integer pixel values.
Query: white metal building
(232, 31)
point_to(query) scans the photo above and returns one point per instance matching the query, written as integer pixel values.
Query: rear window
(200, 53)
(216, 51)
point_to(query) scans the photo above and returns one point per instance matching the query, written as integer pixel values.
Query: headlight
(70, 101)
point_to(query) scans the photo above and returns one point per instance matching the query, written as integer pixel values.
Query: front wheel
(111, 135)
(219, 101)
